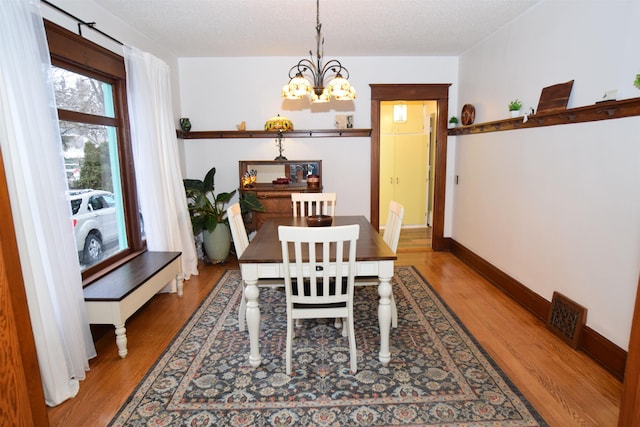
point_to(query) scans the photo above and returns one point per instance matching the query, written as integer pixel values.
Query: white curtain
(34, 163)
(155, 152)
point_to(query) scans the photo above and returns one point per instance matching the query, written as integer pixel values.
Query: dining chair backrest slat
(306, 204)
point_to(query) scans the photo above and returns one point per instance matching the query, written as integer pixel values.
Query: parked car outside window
(94, 222)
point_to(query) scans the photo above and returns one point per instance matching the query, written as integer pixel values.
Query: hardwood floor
(565, 386)
(415, 240)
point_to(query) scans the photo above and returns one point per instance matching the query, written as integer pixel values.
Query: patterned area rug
(438, 375)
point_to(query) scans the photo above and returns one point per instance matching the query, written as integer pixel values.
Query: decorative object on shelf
(308, 75)
(208, 214)
(185, 124)
(636, 83)
(530, 112)
(249, 178)
(349, 122)
(281, 181)
(555, 97)
(341, 121)
(278, 123)
(279, 145)
(313, 181)
(514, 107)
(319, 220)
(608, 96)
(468, 114)
(453, 122)
(242, 125)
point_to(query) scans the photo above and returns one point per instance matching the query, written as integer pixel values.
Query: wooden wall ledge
(602, 111)
(316, 133)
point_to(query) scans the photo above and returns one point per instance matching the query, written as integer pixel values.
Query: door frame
(413, 92)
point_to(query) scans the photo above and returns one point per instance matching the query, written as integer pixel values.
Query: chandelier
(307, 77)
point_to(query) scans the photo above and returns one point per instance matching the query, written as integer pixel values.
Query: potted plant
(514, 107)
(636, 83)
(453, 122)
(209, 215)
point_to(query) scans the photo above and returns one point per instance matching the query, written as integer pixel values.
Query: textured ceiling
(287, 27)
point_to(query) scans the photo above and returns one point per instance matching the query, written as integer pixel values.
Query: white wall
(557, 208)
(212, 101)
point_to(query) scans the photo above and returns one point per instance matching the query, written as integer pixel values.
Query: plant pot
(515, 113)
(217, 244)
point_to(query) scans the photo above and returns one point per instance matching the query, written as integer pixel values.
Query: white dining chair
(305, 204)
(391, 237)
(320, 288)
(240, 243)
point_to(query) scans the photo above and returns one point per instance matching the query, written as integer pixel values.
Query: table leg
(384, 313)
(252, 293)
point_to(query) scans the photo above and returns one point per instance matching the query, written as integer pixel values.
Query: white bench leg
(179, 283)
(121, 340)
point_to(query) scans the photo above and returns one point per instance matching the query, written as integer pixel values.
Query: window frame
(74, 53)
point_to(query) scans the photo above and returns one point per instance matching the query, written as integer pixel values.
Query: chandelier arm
(334, 66)
(303, 66)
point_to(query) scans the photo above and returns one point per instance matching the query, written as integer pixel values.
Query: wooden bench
(113, 298)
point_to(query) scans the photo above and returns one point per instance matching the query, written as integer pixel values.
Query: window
(90, 89)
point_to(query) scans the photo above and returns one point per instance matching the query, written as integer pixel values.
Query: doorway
(413, 92)
(406, 159)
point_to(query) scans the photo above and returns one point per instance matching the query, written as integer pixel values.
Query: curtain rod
(90, 25)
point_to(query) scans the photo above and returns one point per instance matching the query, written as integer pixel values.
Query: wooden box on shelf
(274, 182)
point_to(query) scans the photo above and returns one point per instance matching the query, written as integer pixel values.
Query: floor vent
(566, 319)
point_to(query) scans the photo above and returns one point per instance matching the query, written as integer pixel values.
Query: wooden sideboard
(276, 198)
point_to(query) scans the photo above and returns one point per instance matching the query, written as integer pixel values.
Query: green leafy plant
(636, 83)
(453, 120)
(515, 105)
(206, 209)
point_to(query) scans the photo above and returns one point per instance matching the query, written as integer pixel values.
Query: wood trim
(440, 177)
(75, 116)
(629, 408)
(67, 46)
(374, 214)
(313, 133)
(603, 351)
(409, 92)
(426, 92)
(22, 401)
(589, 113)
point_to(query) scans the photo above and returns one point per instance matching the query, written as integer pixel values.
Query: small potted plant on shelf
(514, 107)
(453, 122)
(209, 215)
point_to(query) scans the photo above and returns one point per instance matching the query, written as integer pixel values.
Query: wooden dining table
(263, 259)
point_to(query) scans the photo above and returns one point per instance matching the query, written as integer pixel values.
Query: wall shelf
(315, 133)
(601, 111)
